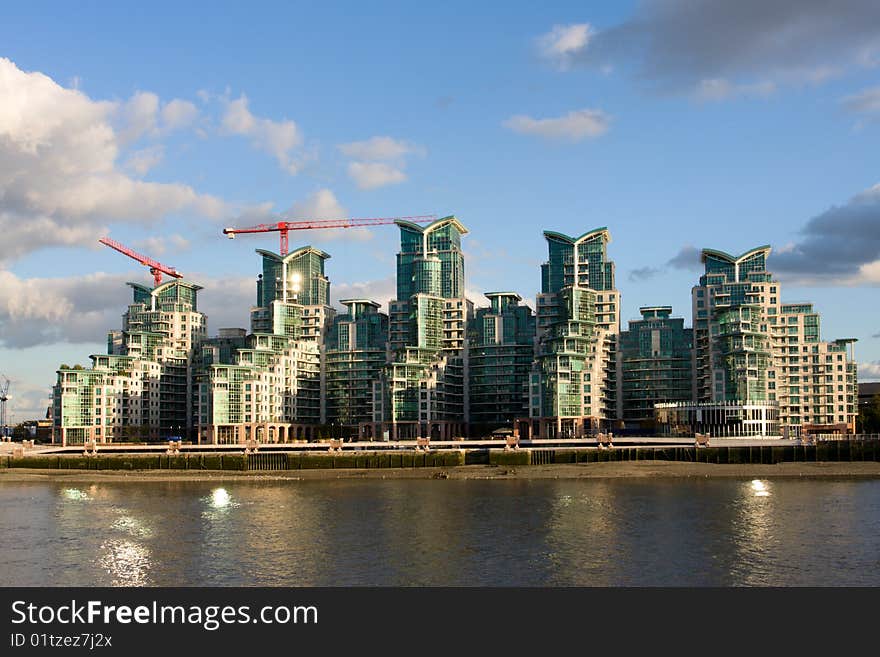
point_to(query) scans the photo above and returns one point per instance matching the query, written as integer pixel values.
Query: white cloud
(574, 126)
(226, 300)
(28, 401)
(158, 246)
(140, 162)
(717, 89)
(278, 138)
(370, 175)
(869, 371)
(324, 205)
(59, 180)
(379, 161)
(381, 291)
(565, 41)
(320, 205)
(141, 116)
(380, 148)
(178, 114)
(66, 309)
(138, 116)
(866, 101)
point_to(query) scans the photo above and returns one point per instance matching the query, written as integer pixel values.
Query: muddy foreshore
(611, 470)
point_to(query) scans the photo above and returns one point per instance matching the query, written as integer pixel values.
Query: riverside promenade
(413, 454)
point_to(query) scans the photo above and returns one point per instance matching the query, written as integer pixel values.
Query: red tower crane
(156, 268)
(284, 227)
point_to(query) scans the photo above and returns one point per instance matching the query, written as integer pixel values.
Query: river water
(615, 532)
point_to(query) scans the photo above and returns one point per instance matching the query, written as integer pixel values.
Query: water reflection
(75, 494)
(754, 525)
(219, 498)
(691, 532)
(133, 526)
(127, 563)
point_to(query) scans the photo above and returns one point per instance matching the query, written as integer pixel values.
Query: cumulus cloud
(59, 179)
(675, 45)
(144, 115)
(226, 300)
(82, 309)
(158, 246)
(869, 371)
(380, 148)
(574, 126)
(278, 138)
(73, 309)
(561, 44)
(178, 114)
(323, 204)
(28, 401)
(840, 246)
(141, 161)
(138, 116)
(381, 291)
(379, 161)
(370, 175)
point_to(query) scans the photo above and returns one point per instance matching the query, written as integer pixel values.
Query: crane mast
(4, 397)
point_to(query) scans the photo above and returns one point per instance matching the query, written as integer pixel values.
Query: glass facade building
(751, 347)
(423, 392)
(356, 352)
(574, 382)
(140, 390)
(270, 385)
(502, 345)
(435, 367)
(655, 354)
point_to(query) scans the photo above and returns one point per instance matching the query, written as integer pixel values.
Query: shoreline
(605, 470)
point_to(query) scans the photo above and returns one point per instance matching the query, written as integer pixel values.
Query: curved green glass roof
(451, 219)
(294, 253)
(552, 234)
(732, 258)
(176, 281)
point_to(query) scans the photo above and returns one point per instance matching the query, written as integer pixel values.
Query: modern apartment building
(751, 347)
(655, 354)
(423, 392)
(434, 367)
(356, 353)
(574, 381)
(269, 385)
(502, 346)
(140, 389)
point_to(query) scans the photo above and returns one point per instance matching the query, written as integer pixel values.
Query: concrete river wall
(832, 451)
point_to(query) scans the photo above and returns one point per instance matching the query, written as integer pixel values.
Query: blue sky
(677, 125)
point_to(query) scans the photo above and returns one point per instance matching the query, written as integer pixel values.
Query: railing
(825, 437)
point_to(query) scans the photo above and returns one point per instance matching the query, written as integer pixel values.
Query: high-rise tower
(424, 392)
(574, 382)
